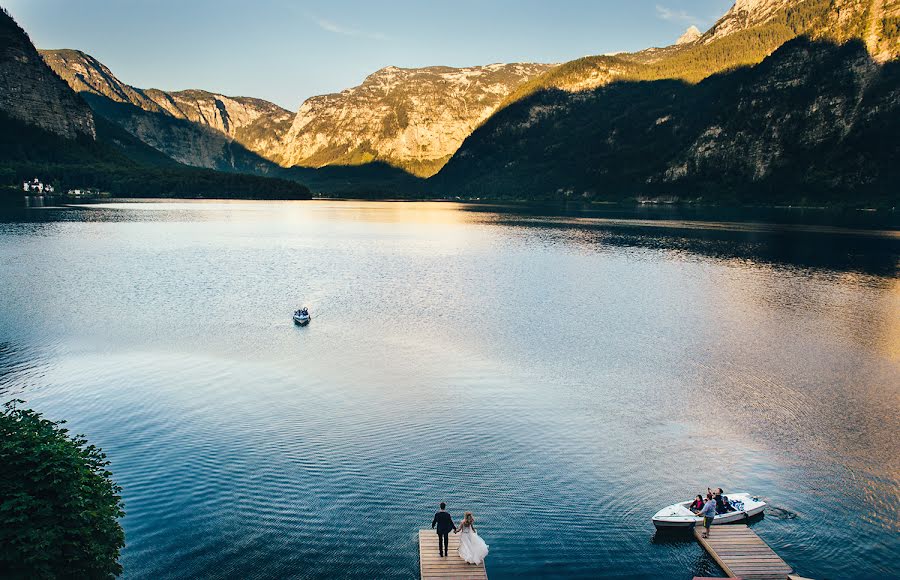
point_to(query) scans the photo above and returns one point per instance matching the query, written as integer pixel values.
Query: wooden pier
(433, 567)
(741, 553)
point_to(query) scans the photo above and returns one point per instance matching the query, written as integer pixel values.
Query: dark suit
(444, 524)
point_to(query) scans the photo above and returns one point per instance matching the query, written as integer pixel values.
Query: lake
(562, 377)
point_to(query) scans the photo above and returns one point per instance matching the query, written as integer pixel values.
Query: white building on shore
(36, 186)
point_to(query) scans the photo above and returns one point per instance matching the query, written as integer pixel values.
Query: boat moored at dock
(678, 515)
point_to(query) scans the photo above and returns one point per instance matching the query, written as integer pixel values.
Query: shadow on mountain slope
(119, 164)
(813, 123)
(371, 180)
(185, 142)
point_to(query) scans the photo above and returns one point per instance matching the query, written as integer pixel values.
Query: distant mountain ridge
(690, 35)
(563, 131)
(414, 119)
(410, 118)
(48, 131)
(252, 122)
(194, 127)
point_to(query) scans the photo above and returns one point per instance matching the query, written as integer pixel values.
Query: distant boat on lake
(302, 317)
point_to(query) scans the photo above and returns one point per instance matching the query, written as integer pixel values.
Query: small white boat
(302, 317)
(679, 516)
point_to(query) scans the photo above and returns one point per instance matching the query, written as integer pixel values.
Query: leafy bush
(59, 508)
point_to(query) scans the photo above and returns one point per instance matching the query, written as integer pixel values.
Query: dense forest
(698, 60)
(119, 164)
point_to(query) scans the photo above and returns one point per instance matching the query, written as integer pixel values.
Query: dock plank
(741, 553)
(433, 567)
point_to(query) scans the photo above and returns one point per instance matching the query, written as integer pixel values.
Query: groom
(444, 524)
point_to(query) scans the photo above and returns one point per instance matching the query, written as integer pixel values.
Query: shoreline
(783, 219)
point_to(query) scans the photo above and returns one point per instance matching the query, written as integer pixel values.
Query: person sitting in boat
(723, 506)
(717, 497)
(727, 503)
(697, 504)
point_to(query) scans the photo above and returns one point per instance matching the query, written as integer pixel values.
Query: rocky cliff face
(31, 92)
(690, 35)
(182, 140)
(806, 115)
(254, 123)
(85, 74)
(746, 14)
(409, 118)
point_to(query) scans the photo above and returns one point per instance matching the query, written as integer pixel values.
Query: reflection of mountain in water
(860, 242)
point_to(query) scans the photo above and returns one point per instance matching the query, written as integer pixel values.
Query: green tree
(59, 507)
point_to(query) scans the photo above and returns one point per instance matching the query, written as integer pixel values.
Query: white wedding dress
(472, 548)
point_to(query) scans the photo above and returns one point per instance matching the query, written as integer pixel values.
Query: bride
(472, 548)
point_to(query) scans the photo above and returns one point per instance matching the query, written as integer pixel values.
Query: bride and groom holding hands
(472, 548)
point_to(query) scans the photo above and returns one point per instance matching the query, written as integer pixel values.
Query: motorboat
(678, 515)
(302, 317)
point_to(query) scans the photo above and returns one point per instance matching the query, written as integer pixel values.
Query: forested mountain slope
(815, 121)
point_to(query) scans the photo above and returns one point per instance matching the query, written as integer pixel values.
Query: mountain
(49, 131)
(187, 142)
(690, 35)
(749, 32)
(409, 118)
(788, 90)
(254, 123)
(835, 20)
(741, 113)
(194, 127)
(815, 123)
(32, 93)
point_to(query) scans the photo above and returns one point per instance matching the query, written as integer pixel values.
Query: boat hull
(301, 320)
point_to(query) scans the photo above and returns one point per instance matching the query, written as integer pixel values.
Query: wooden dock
(741, 553)
(433, 567)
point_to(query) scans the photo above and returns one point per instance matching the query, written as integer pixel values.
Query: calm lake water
(563, 378)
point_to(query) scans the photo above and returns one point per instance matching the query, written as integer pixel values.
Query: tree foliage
(59, 506)
(891, 28)
(693, 62)
(128, 169)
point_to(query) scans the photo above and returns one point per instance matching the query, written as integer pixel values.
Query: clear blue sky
(287, 51)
